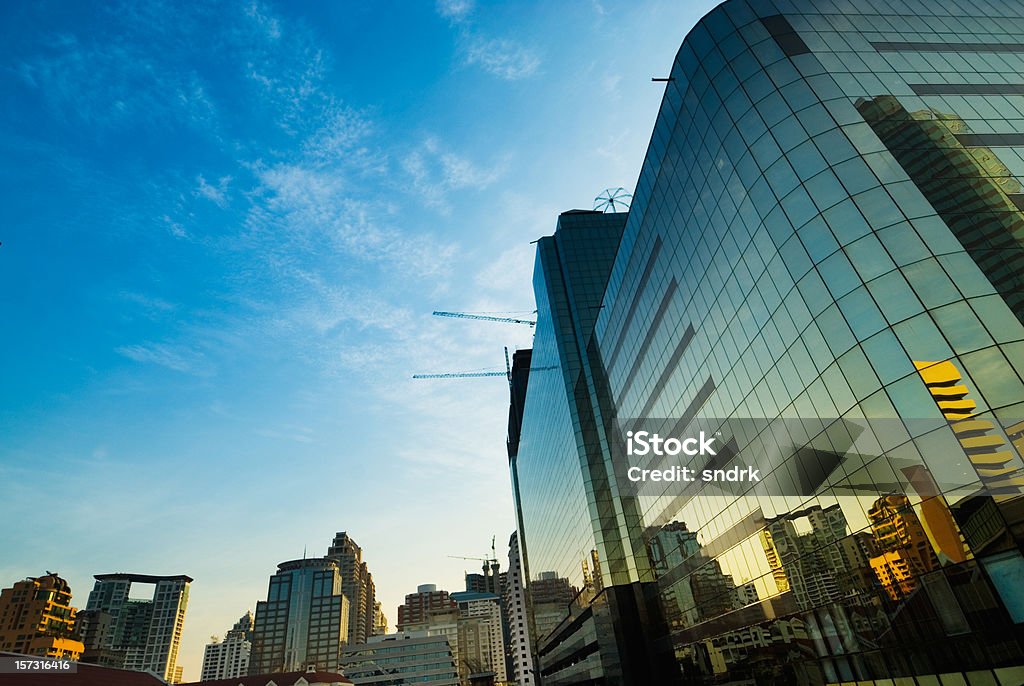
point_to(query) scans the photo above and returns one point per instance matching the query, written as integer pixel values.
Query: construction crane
(463, 375)
(457, 375)
(485, 317)
(490, 569)
(492, 559)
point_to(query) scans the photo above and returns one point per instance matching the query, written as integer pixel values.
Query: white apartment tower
(229, 658)
(520, 644)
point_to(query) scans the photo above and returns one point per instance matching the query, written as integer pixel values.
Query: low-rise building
(401, 658)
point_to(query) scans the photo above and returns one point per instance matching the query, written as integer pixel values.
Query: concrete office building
(228, 657)
(124, 631)
(36, 618)
(401, 658)
(824, 244)
(304, 620)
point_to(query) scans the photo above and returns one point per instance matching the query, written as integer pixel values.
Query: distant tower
(304, 620)
(139, 635)
(357, 585)
(229, 658)
(613, 200)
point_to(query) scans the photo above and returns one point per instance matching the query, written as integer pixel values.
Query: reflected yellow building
(985, 447)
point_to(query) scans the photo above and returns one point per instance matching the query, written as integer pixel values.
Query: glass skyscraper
(821, 268)
(303, 622)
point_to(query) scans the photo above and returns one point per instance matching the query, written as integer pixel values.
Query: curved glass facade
(827, 229)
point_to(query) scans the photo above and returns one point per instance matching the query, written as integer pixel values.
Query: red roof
(280, 679)
(87, 675)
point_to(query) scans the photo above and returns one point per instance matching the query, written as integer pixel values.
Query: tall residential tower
(122, 630)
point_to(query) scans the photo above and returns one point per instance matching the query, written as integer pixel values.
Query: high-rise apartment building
(821, 269)
(357, 585)
(228, 657)
(36, 618)
(481, 635)
(304, 620)
(143, 634)
(520, 632)
(415, 612)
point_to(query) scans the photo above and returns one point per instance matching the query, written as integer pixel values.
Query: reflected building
(826, 233)
(904, 551)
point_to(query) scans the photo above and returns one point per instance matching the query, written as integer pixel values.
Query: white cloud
(176, 229)
(148, 303)
(126, 85)
(512, 271)
(436, 172)
(455, 10)
(176, 358)
(218, 194)
(261, 18)
(502, 57)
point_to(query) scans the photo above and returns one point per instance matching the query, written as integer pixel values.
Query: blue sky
(224, 229)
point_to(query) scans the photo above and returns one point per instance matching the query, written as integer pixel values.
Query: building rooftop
(279, 679)
(142, 578)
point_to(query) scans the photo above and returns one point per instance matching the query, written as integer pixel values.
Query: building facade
(380, 622)
(401, 658)
(127, 632)
(357, 585)
(36, 618)
(303, 622)
(481, 635)
(520, 630)
(415, 613)
(228, 657)
(821, 267)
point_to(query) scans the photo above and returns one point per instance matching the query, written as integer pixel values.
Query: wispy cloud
(436, 171)
(175, 228)
(262, 18)
(218, 194)
(456, 10)
(503, 57)
(127, 85)
(177, 358)
(148, 303)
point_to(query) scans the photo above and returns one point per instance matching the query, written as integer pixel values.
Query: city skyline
(204, 212)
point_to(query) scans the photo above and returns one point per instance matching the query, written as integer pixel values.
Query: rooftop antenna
(613, 200)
